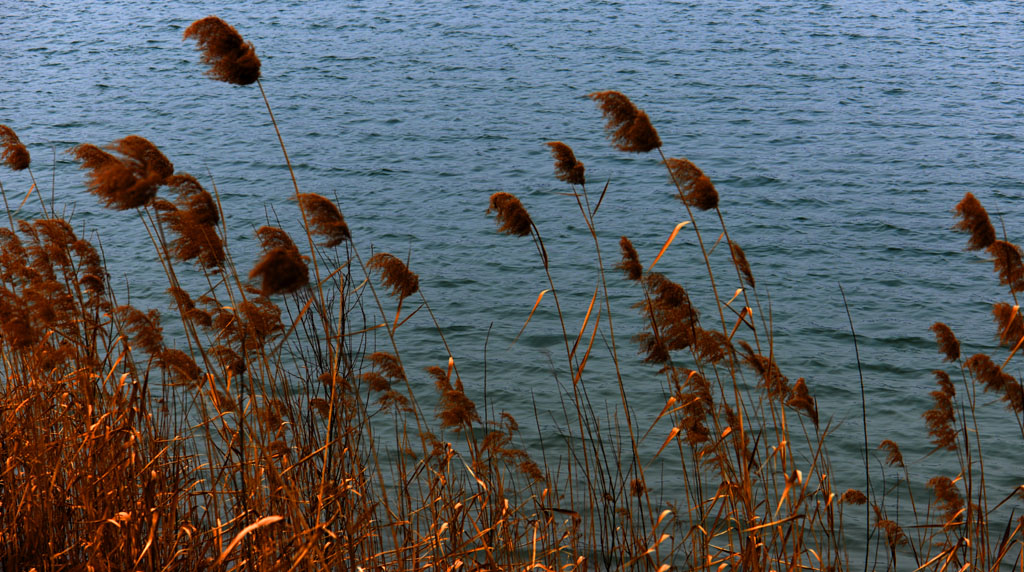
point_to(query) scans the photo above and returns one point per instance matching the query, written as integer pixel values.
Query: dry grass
(251, 441)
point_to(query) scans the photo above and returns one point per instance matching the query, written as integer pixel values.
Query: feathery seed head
(129, 177)
(510, 214)
(395, 274)
(15, 155)
(974, 220)
(230, 57)
(325, 218)
(567, 168)
(948, 344)
(699, 191)
(628, 126)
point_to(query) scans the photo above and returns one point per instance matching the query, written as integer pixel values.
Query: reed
(277, 426)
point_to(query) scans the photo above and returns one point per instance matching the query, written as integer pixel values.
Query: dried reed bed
(252, 441)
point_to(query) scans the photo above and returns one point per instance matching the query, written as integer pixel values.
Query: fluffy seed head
(280, 271)
(230, 57)
(129, 177)
(698, 190)
(630, 264)
(974, 220)
(1007, 262)
(510, 214)
(948, 344)
(628, 127)
(567, 168)
(15, 154)
(395, 274)
(325, 219)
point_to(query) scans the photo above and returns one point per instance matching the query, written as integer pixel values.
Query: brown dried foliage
(457, 411)
(145, 329)
(1006, 261)
(628, 127)
(993, 378)
(510, 214)
(15, 155)
(894, 535)
(739, 258)
(1010, 322)
(325, 219)
(768, 371)
(948, 344)
(230, 57)
(975, 221)
(696, 189)
(280, 271)
(941, 418)
(128, 177)
(853, 496)
(672, 319)
(893, 454)
(272, 237)
(947, 497)
(395, 274)
(802, 401)
(630, 264)
(567, 168)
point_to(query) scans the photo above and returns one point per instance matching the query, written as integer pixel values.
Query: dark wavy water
(839, 134)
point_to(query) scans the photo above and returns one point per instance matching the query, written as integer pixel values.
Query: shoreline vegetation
(254, 441)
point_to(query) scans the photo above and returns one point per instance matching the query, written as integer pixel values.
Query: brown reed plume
(15, 155)
(975, 221)
(699, 191)
(567, 168)
(628, 126)
(1006, 261)
(947, 497)
(995, 379)
(194, 220)
(740, 258)
(630, 264)
(457, 411)
(948, 344)
(281, 270)
(510, 214)
(941, 418)
(893, 455)
(1010, 322)
(395, 274)
(230, 57)
(325, 219)
(801, 400)
(129, 177)
(853, 496)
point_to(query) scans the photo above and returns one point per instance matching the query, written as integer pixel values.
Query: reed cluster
(278, 428)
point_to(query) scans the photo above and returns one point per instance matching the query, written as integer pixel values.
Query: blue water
(839, 135)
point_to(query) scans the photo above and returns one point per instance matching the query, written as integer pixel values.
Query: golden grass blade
(601, 198)
(583, 327)
(671, 237)
(406, 319)
(27, 195)
(715, 245)
(534, 309)
(774, 523)
(664, 411)
(1012, 352)
(586, 355)
(671, 435)
(737, 293)
(267, 520)
(739, 321)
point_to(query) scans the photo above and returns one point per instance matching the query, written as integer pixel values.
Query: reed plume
(801, 400)
(740, 259)
(457, 411)
(893, 455)
(567, 168)
(194, 220)
(395, 274)
(325, 219)
(630, 264)
(1006, 261)
(129, 177)
(628, 127)
(975, 221)
(947, 497)
(700, 192)
(948, 344)
(230, 57)
(510, 214)
(1010, 322)
(281, 270)
(941, 418)
(853, 496)
(15, 155)
(994, 379)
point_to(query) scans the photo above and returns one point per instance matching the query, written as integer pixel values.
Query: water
(839, 134)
